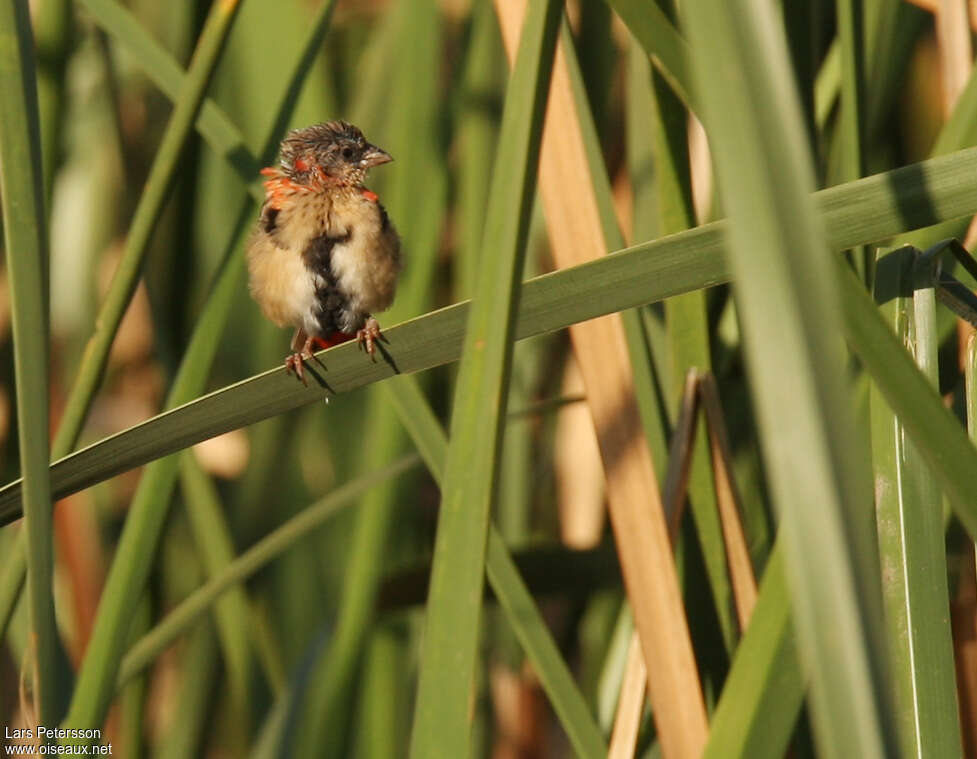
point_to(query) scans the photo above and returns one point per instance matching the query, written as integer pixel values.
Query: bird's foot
(368, 335)
(295, 364)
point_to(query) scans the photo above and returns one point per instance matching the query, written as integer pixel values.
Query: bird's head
(331, 154)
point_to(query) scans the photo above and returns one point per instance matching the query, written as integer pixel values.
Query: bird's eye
(347, 153)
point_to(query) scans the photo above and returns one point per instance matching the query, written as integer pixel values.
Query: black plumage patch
(384, 219)
(317, 255)
(334, 312)
(269, 217)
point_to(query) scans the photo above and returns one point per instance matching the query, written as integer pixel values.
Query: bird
(324, 255)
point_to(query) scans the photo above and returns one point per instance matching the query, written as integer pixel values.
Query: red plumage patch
(278, 187)
(336, 338)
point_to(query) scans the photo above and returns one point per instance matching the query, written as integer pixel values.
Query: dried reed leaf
(627, 721)
(729, 504)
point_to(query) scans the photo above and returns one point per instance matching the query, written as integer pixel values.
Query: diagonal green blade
(764, 691)
(854, 213)
(662, 42)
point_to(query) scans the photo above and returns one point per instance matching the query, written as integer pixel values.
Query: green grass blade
(939, 438)
(764, 691)
(911, 534)
(477, 130)
(854, 213)
(12, 580)
(970, 380)
(851, 120)
(384, 694)
(248, 563)
(274, 729)
(506, 581)
(644, 225)
(787, 299)
(890, 30)
(132, 698)
(667, 48)
(407, 399)
(851, 123)
(215, 547)
(530, 629)
(53, 31)
(960, 129)
(188, 734)
(519, 464)
(442, 723)
(688, 336)
(802, 24)
(971, 388)
(890, 462)
(25, 240)
(827, 86)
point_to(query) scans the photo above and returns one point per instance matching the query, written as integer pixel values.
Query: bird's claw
(296, 364)
(369, 334)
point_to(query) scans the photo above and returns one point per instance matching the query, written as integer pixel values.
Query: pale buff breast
(366, 266)
(279, 282)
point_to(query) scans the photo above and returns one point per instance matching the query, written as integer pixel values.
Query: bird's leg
(368, 334)
(296, 361)
(298, 340)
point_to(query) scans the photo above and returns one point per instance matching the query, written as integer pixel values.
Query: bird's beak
(375, 156)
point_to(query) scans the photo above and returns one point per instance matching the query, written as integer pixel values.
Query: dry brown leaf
(630, 705)
(741, 573)
(956, 53)
(933, 6)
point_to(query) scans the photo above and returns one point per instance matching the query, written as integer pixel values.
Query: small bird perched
(324, 256)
